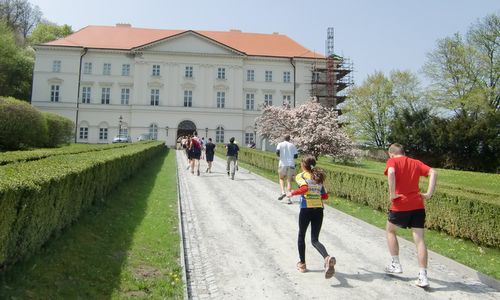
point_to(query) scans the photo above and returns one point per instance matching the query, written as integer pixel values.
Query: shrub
(60, 129)
(21, 125)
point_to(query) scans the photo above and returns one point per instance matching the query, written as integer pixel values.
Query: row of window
(155, 71)
(155, 97)
(153, 133)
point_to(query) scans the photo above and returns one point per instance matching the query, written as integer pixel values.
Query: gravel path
(240, 243)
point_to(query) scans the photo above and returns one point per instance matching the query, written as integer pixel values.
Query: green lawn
(483, 259)
(127, 246)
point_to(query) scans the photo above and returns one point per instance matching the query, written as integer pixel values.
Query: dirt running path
(240, 243)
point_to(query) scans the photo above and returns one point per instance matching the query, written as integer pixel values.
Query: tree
(465, 72)
(313, 128)
(485, 38)
(16, 66)
(407, 92)
(412, 128)
(46, 32)
(369, 109)
(20, 15)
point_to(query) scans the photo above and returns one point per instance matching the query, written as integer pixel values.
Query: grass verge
(127, 246)
(483, 259)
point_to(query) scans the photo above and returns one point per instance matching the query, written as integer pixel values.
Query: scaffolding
(331, 76)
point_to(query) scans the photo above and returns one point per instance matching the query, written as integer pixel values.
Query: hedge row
(29, 155)
(460, 213)
(39, 198)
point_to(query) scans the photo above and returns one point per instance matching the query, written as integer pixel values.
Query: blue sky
(375, 35)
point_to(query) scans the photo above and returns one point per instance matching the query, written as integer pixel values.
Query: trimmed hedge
(39, 198)
(463, 213)
(29, 155)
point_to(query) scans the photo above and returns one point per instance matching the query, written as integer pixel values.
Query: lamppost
(206, 132)
(166, 129)
(255, 133)
(120, 120)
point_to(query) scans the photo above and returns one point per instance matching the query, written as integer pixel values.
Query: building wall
(204, 57)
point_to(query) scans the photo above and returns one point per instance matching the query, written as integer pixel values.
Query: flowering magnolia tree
(313, 128)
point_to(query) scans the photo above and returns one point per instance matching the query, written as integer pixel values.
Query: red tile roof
(127, 38)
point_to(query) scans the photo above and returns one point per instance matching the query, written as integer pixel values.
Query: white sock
(422, 271)
(395, 259)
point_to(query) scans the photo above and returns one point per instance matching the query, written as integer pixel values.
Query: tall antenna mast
(329, 41)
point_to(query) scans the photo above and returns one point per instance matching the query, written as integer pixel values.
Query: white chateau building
(169, 83)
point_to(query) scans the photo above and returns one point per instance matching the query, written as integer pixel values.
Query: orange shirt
(408, 172)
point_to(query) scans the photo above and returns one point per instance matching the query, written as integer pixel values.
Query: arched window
(219, 134)
(153, 131)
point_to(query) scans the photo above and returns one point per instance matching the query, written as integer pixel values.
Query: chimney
(234, 30)
(276, 32)
(123, 25)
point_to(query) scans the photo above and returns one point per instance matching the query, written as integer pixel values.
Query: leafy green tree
(16, 66)
(465, 72)
(370, 108)
(407, 91)
(46, 32)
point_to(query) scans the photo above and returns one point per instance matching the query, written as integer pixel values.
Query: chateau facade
(167, 83)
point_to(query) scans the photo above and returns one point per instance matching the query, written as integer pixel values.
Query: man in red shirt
(407, 206)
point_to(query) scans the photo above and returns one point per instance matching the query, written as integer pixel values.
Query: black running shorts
(407, 219)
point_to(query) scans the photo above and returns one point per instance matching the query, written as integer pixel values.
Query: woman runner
(312, 192)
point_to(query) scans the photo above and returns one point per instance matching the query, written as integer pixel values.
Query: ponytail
(309, 163)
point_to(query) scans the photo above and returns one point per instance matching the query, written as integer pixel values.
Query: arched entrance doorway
(185, 127)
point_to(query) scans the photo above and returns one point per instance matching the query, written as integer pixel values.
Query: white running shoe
(394, 268)
(422, 281)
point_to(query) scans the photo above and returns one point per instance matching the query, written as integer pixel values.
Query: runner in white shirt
(287, 152)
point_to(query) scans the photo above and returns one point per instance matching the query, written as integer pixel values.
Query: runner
(232, 156)
(287, 152)
(407, 206)
(195, 154)
(312, 192)
(209, 154)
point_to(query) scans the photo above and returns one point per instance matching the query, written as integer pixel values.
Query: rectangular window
(54, 93)
(250, 102)
(188, 98)
(155, 97)
(86, 91)
(103, 134)
(219, 135)
(125, 70)
(268, 99)
(156, 70)
(87, 68)
(84, 133)
(287, 100)
(221, 99)
(248, 138)
(286, 77)
(188, 72)
(315, 76)
(221, 73)
(56, 66)
(125, 97)
(106, 69)
(105, 95)
(269, 76)
(250, 75)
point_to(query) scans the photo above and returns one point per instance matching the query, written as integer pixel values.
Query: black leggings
(315, 217)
